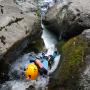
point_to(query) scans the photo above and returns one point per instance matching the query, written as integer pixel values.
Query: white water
(41, 82)
(49, 39)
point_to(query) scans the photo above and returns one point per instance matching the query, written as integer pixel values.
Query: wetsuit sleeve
(42, 71)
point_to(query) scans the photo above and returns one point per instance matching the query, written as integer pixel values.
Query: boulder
(19, 24)
(85, 74)
(72, 63)
(68, 19)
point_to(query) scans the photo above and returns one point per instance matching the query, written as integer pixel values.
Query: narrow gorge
(36, 25)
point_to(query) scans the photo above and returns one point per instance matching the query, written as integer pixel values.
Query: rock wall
(19, 23)
(68, 19)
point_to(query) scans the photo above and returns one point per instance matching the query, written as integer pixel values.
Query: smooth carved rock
(68, 19)
(17, 22)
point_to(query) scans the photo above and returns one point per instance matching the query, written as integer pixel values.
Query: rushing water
(50, 41)
(17, 67)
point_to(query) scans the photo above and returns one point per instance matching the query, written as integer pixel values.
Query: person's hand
(42, 71)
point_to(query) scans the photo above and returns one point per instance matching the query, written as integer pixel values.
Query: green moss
(59, 45)
(37, 13)
(72, 61)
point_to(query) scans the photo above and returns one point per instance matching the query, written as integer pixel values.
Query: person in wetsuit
(38, 65)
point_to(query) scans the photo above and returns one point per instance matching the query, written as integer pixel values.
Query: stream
(17, 67)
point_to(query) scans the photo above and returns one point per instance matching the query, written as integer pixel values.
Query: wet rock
(68, 19)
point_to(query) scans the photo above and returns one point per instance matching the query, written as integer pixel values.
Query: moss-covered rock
(72, 60)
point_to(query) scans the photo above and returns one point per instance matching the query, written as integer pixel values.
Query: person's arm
(38, 62)
(42, 70)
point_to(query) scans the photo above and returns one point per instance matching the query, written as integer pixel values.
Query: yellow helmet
(31, 71)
